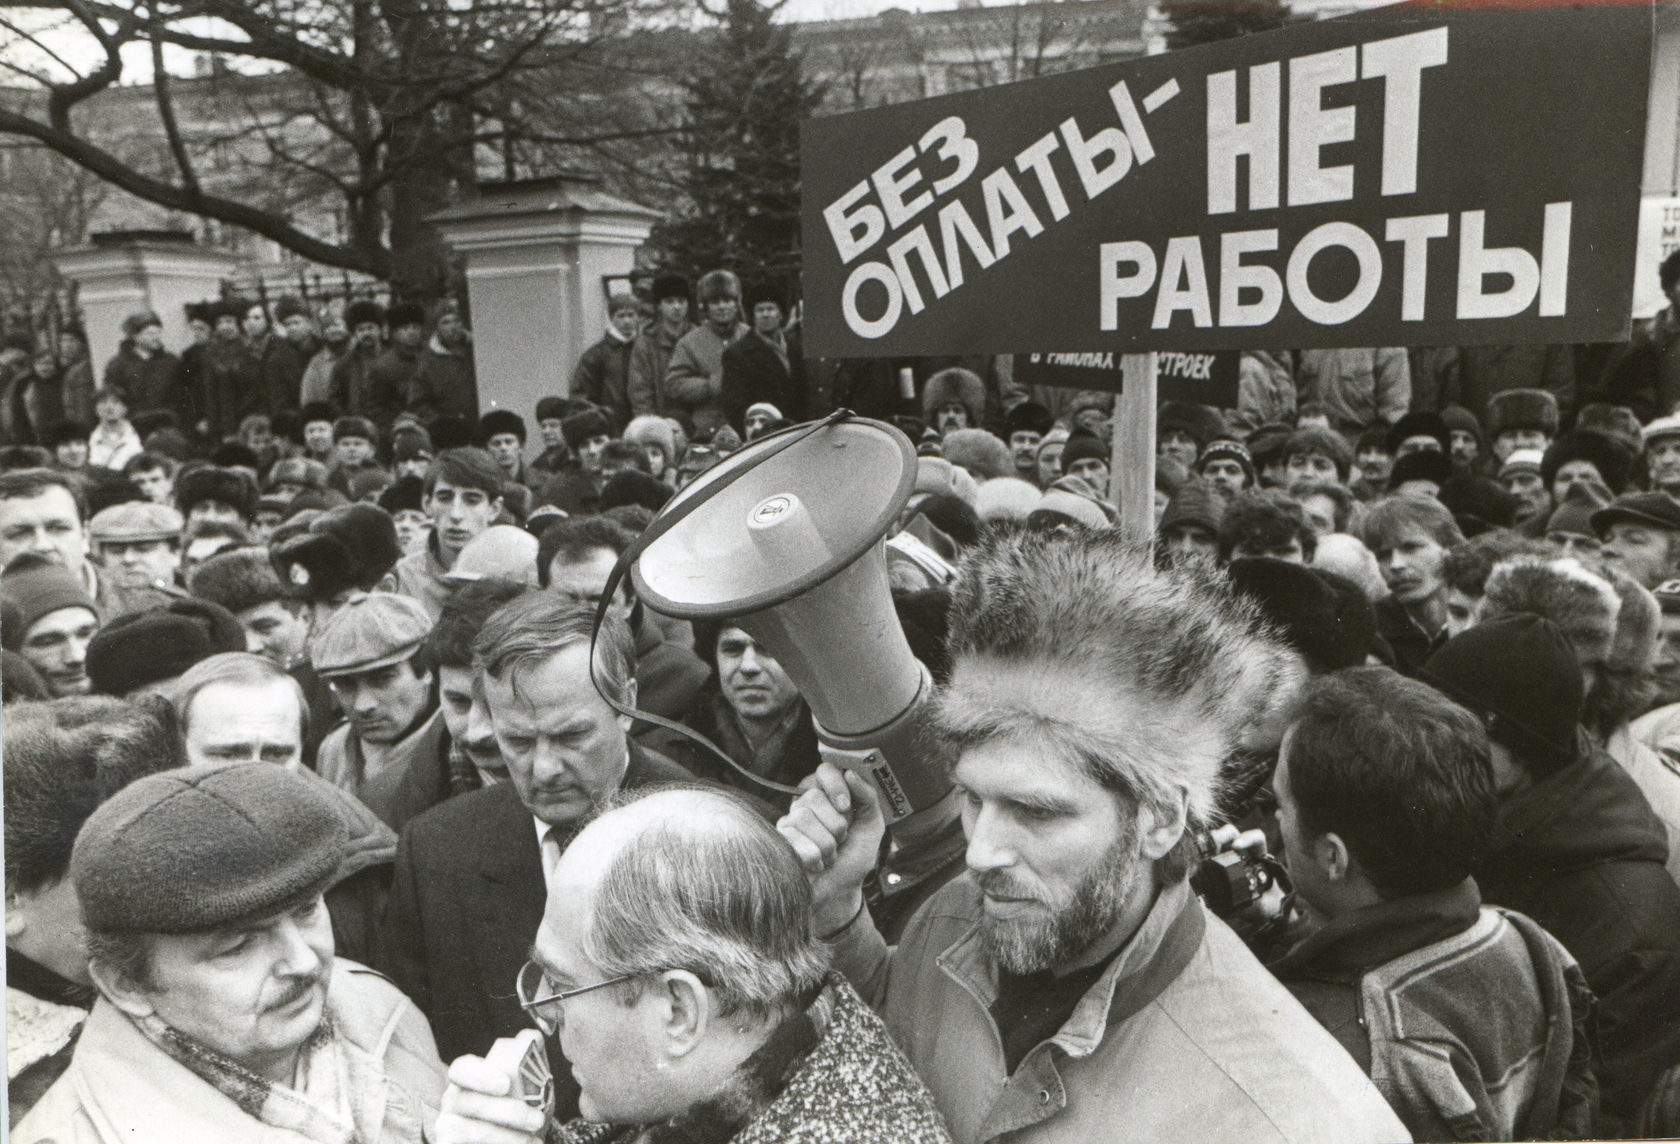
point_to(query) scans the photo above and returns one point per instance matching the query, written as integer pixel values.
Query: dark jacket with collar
(465, 904)
(1582, 853)
(1471, 1021)
(602, 376)
(753, 372)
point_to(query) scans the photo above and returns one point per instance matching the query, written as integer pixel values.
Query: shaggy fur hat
(499, 421)
(1478, 504)
(1149, 675)
(1582, 605)
(1193, 503)
(404, 494)
(355, 427)
(1028, 417)
(452, 431)
(671, 286)
(1201, 422)
(649, 430)
(361, 312)
(1421, 423)
(1608, 455)
(633, 487)
(1615, 421)
(352, 546)
(1425, 466)
(289, 306)
(1321, 615)
(955, 384)
(238, 580)
(581, 428)
(552, 409)
(405, 314)
(209, 483)
(311, 474)
(979, 452)
(195, 849)
(1006, 498)
(1522, 409)
(719, 286)
(765, 290)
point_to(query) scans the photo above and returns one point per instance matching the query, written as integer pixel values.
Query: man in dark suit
(763, 366)
(471, 873)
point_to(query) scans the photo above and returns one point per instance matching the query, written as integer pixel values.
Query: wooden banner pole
(1131, 463)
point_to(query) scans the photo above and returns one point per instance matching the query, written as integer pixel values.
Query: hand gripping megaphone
(785, 539)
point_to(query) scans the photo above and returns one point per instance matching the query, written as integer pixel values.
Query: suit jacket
(465, 904)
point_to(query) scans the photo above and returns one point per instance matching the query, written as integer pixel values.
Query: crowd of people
(1345, 807)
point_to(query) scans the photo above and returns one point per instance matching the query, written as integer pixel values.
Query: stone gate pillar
(539, 254)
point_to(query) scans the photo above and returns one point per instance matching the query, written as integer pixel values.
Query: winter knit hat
(134, 323)
(201, 848)
(238, 580)
(980, 453)
(1059, 505)
(1425, 466)
(159, 644)
(1522, 409)
(1083, 446)
(1226, 449)
(1461, 420)
(1583, 606)
(1574, 515)
(955, 384)
(34, 586)
(1522, 461)
(1519, 675)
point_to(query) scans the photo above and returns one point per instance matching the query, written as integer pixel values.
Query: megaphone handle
(660, 526)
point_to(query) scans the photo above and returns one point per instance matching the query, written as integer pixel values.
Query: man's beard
(1023, 946)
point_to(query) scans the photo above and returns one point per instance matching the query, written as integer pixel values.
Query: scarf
(755, 1085)
(342, 1094)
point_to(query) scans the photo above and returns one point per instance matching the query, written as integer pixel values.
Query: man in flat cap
(223, 1013)
(1641, 535)
(372, 653)
(139, 545)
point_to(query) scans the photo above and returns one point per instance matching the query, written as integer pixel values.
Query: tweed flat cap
(136, 521)
(198, 848)
(369, 632)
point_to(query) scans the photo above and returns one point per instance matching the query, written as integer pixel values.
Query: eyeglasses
(536, 990)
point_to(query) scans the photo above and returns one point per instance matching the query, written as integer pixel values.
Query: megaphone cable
(660, 526)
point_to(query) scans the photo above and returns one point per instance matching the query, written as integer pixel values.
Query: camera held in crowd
(1229, 880)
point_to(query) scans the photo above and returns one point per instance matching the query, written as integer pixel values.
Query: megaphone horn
(792, 552)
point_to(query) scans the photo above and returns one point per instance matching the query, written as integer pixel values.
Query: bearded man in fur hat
(1070, 986)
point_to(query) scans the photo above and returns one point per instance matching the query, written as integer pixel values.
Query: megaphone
(792, 551)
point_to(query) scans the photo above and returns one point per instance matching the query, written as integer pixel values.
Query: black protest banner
(1422, 174)
(1208, 378)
